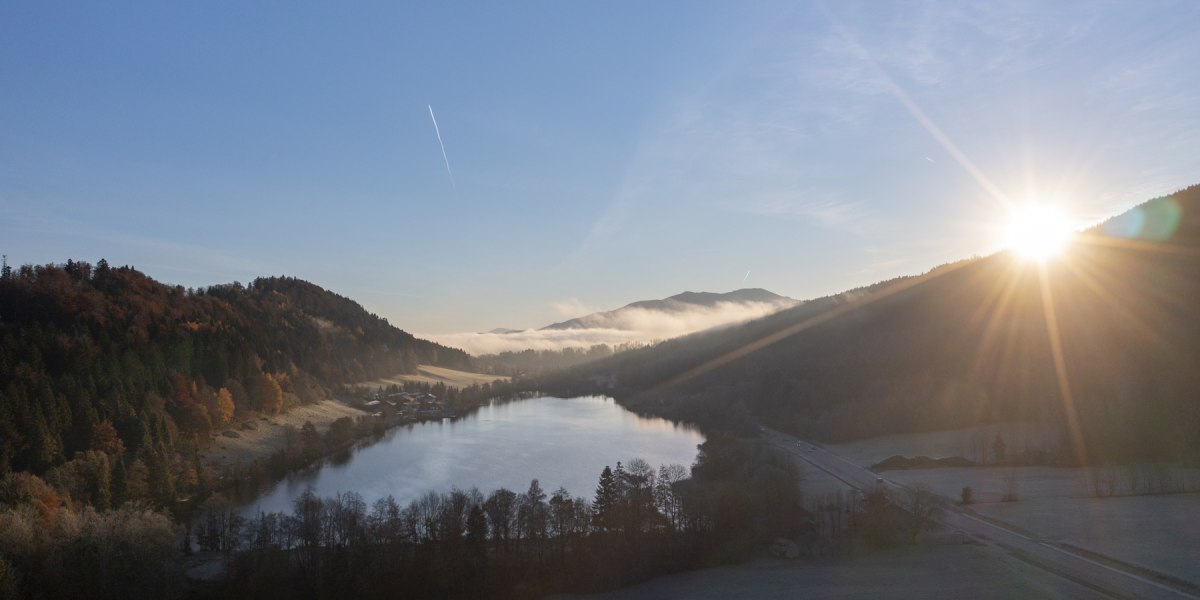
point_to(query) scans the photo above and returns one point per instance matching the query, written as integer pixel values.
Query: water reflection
(562, 442)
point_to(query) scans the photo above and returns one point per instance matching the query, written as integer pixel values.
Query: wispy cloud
(791, 124)
(479, 344)
(932, 43)
(827, 212)
(571, 308)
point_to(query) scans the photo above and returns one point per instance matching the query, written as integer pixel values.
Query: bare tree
(967, 496)
(639, 496)
(665, 496)
(999, 449)
(979, 447)
(923, 508)
(1010, 486)
(500, 508)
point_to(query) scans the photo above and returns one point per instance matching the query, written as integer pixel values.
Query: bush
(967, 496)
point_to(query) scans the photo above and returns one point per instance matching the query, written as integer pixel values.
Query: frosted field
(1159, 533)
(432, 375)
(955, 442)
(925, 571)
(1156, 532)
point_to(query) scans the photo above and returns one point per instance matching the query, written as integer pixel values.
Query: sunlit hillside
(1103, 340)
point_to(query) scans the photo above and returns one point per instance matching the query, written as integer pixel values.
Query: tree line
(533, 363)
(639, 522)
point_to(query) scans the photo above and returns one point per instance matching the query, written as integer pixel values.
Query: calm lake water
(559, 441)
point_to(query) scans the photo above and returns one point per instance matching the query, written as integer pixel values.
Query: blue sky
(602, 152)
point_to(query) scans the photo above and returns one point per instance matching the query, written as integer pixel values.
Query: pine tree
(102, 480)
(999, 450)
(119, 485)
(161, 480)
(608, 498)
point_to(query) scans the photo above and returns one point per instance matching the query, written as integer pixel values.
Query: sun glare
(1037, 232)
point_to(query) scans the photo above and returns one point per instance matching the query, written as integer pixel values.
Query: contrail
(746, 277)
(443, 145)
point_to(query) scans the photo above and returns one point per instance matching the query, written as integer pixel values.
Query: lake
(561, 442)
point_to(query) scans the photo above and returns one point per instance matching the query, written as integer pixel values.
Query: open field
(432, 375)
(1152, 532)
(1127, 546)
(257, 444)
(1058, 505)
(930, 570)
(964, 442)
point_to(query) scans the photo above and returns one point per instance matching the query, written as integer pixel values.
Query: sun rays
(1030, 328)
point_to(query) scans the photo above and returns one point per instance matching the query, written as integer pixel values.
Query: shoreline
(267, 436)
(256, 437)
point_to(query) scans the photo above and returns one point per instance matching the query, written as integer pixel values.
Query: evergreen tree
(534, 505)
(608, 498)
(119, 484)
(477, 529)
(101, 480)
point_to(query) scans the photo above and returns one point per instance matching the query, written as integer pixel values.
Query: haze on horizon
(584, 154)
(629, 325)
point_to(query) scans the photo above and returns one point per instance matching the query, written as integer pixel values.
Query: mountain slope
(104, 357)
(738, 301)
(1105, 342)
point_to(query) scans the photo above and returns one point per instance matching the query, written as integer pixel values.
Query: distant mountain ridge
(679, 303)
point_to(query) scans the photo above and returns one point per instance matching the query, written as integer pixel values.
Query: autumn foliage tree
(110, 360)
(267, 394)
(224, 407)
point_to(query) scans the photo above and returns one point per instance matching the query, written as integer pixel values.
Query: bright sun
(1037, 232)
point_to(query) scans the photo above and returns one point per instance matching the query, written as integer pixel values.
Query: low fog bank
(626, 325)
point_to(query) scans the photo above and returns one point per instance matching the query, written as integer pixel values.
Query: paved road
(1110, 580)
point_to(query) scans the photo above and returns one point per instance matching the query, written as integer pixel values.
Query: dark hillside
(969, 343)
(101, 358)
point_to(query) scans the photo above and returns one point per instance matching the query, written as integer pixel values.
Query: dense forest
(107, 362)
(1103, 341)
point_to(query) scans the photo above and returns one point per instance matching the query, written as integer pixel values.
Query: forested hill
(108, 358)
(1104, 341)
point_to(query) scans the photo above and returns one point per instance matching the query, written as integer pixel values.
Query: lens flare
(1155, 221)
